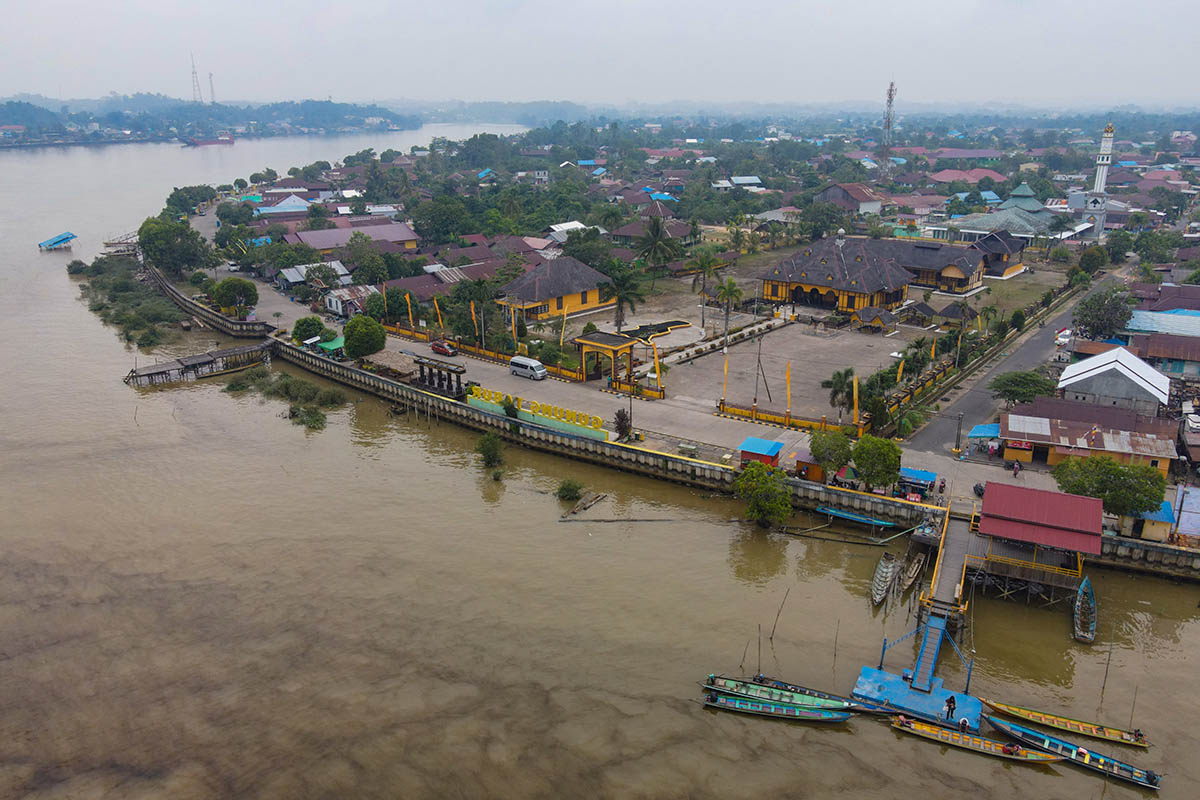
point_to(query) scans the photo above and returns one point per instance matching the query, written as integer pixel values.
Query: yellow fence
(789, 421)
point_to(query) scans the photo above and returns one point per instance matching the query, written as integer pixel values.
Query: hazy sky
(1033, 52)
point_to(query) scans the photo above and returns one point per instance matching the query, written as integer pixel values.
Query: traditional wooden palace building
(850, 274)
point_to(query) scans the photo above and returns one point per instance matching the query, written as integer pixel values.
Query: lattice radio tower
(196, 96)
(888, 119)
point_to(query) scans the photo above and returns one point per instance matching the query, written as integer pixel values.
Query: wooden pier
(203, 365)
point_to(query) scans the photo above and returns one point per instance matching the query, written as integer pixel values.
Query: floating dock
(60, 242)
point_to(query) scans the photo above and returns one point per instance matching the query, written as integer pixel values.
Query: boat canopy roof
(54, 241)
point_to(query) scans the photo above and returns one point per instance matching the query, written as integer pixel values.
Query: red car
(443, 348)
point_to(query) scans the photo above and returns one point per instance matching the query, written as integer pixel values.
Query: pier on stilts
(1025, 543)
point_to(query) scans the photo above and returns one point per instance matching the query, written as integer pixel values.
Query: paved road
(976, 403)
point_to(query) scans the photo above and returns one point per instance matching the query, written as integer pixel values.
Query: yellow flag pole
(900, 372)
(789, 393)
(725, 388)
(438, 310)
(474, 320)
(657, 374)
(563, 336)
(512, 318)
(856, 400)
(408, 301)
(933, 349)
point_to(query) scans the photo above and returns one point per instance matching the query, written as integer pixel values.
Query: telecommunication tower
(888, 119)
(196, 97)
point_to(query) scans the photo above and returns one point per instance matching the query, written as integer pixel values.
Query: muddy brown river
(200, 600)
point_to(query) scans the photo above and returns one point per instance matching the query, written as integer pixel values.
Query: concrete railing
(241, 328)
(1147, 556)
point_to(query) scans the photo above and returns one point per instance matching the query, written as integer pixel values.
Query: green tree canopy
(1104, 313)
(235, 293)
(306, 328)
(625, 287)
(1021, 387)
(1118, 244)
(1093, 259)
(765, 490)
(831, 449)
(174, 247)
(1125, 489)
(364, 336)
(877, 461)
(588, 246)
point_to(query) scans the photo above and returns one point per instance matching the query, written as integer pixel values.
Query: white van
(527, 368)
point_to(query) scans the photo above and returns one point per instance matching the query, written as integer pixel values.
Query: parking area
(814, 358)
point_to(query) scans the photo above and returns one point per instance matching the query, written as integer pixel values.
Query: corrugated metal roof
(1163, 322)
(1123, 362)
(1037, 425)
(1052, 519)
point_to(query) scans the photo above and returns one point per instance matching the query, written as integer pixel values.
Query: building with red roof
(1042, 518)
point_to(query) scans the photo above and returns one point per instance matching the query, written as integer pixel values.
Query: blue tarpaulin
(761, 447)
(1164, 513)
(989, 431)
(917, 475)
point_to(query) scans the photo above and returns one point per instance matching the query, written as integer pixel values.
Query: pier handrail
(1016, 562)
(937, 565)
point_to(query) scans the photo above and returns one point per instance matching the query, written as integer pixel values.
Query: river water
(202, 600)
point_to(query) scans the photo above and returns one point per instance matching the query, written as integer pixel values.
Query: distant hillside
(31, 116)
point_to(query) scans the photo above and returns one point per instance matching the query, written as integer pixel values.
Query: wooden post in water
(742, 666)
(759, 670)
(780, 611)
(1107, 663)
(836, 630)
(1133, 706)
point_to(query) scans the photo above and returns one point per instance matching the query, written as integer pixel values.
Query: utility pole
(958, 435)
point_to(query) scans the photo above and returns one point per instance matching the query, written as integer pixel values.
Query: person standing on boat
(950, 703)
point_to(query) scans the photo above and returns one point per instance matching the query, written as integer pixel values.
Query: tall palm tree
(989, 313)
(625, 287)
(657, 246)
(728, 293)
(737, 237)
(841, 390)
(704, 262)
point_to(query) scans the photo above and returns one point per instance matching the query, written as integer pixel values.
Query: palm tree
(988, 313)
(705, 264)
(625, 287)
(728, 293)
(841, 390)
(657, 246)
(737, 237)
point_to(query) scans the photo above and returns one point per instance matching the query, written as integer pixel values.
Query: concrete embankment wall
(1144, 556)
(243, 329)
(666, 466)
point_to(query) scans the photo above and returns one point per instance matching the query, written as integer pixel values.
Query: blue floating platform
(888, 688)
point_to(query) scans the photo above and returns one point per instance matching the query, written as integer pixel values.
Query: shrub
(490, 449)
(569, 489)
(767, 496)
(306, 328)
(76, 267)
(197, 278)
(622, 424)
(1018, 320)
(308, 416)
(1060, 254)
(590, 328)
(328, 398)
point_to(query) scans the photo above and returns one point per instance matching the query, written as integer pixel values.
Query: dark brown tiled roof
(562, 276)
(869, 265)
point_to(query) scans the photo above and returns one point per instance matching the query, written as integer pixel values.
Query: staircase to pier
(927, 656)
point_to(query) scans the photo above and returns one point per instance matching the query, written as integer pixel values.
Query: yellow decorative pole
(439, 311)
(725, 387)
(657, 374)
(856, 400)
(474, 320)
(562, 336)
(900, 371)
(788, 421)
(408, 302)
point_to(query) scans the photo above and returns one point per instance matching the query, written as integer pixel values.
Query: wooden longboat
(755, 691)
(912, 571)
(861, 706)
(1085, 612)
(970, 741)
(885, 575)
(1093, 729)
(1098, 762)
(764, 708)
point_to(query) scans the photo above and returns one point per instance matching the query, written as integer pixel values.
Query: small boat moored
(912, 570)
(765, 708)
(1098, 762)
(970, 741)
(754, 691)
(853, 517)
(859, 705)
(885, 576)
(1085, 612)
(60, 242)
(1095, 730)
